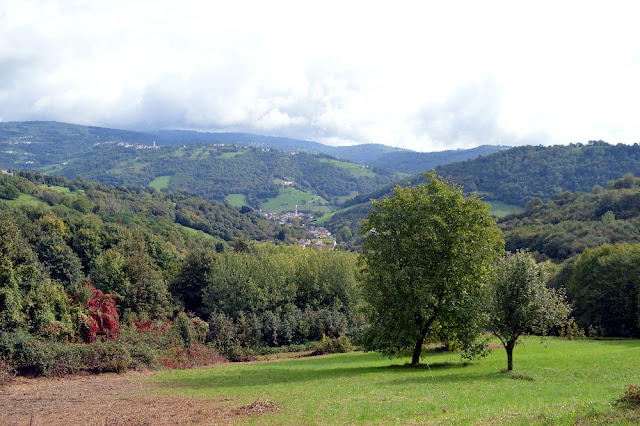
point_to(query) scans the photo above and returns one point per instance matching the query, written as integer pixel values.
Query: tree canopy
(426, 257)
(605, 289)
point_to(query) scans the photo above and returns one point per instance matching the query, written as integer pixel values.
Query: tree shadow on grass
(273, 375)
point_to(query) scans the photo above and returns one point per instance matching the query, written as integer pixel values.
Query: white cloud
(422, 75)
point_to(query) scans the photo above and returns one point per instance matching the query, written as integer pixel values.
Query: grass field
(196, 231)
(500, 209)
(289, 197)
(356, 170)
(161, 182)
(237, 200)
(555, 382)
(233, 154)
(61, 189)
(327, 217)
(26, 200)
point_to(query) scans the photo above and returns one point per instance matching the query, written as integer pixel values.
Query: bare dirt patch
(111, 399)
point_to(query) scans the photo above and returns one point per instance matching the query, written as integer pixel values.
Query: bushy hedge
(141, 344)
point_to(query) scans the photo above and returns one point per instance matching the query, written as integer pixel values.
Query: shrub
(184, 330)
(330, 345)
(237, 353)
(103, 318)
(222, 332)
(109, 356)
(17, 349)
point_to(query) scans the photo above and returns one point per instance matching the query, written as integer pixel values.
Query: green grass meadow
(500, 209)
(554, 382)
(289, 197)
(237, 200)
(25, 200)
(161, 182)
(196, 231)
(356, 170)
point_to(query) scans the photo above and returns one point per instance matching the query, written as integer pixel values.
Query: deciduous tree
(521, 302)
(427, 254)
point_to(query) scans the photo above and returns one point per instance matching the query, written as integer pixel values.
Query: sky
(421, 75)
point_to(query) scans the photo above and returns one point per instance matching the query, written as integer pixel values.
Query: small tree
(427, 253)
(522, 303)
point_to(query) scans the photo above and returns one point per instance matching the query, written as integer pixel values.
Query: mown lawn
(554, 382)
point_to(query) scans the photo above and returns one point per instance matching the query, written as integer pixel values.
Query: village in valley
(317, 237)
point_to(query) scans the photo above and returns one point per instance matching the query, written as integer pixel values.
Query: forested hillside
(225, 170)
(128, 270)
(416, 162)
(517, 175)
(569, 222)
(215, 172)
(520, 174)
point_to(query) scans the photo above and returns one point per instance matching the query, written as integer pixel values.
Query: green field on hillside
(357, 170)
(290, 197)
(237, 200)
(161, 182)
(60, 189)
(197, 232)
(26, 200)
(233, 153)
(554, 382)
(500, 209)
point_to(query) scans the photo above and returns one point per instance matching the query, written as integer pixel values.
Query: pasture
(554, 382)
(289, 197)
(161, 182)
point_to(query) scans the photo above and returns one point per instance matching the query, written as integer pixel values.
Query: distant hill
(257, 177)
(416, 162)
(173, 217)
(238, 168)
(44, 145)
(517, 175)
(402, 160)
(362, 154)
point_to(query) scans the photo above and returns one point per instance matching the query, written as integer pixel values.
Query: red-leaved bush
(102, 317)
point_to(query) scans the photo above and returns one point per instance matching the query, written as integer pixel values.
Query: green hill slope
(520, 174)
(216, 172)
(571, 222)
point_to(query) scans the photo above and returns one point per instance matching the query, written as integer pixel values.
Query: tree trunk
(415, 360)
(509, 347)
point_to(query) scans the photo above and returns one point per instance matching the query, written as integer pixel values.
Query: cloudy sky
(421, 75)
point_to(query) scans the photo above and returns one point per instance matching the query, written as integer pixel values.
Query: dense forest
(114, 266)
(571, 222)
(416, 162)
(522, 173)
(517, 175)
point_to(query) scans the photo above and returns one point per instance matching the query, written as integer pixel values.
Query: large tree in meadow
(522, 303)
(427, 254)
